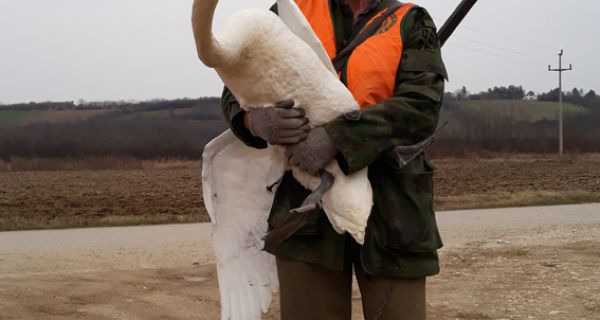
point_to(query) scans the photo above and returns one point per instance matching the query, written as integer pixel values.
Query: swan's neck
(210, 51)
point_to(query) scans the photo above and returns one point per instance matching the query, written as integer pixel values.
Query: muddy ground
(171, 191)
(534, 263)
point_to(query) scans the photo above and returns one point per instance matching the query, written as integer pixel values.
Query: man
(397, 76)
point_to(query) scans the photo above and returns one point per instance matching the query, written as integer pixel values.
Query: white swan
(262, 61)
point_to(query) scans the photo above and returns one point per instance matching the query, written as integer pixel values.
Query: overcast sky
(143, 49)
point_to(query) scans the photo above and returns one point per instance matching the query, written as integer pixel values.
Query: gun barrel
(455, 19)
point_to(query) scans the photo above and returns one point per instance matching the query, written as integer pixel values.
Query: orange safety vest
(373, 65)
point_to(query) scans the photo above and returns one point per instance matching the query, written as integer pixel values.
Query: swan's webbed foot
(405, 154)
(298, 216)
(314, 201)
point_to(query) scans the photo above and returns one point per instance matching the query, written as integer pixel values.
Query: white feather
(239, 211)
(291, 15)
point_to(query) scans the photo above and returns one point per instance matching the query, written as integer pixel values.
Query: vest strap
(342, 58)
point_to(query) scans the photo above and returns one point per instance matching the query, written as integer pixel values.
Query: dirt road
(526, 263)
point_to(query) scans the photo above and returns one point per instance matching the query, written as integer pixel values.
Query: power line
(584, 83)
(591, 77)
(523, 42)
(499, 48)
(537, 63)
(527, 43)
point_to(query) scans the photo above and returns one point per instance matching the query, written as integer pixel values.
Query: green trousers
(309, 291)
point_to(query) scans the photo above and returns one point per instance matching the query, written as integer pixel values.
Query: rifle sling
(342, 58)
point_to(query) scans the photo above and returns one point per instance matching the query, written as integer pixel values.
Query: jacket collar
(374, 4)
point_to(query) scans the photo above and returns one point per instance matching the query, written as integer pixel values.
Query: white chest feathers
(272, 64)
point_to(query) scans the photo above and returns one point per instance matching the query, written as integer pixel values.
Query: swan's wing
(235, 180)
(292, 16)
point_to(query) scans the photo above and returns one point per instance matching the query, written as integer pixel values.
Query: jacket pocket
(405, 206)
(288, 196)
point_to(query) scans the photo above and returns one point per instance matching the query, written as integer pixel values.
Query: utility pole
(560, 100)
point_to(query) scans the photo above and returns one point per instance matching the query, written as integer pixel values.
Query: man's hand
(281, 124)
(314, 153)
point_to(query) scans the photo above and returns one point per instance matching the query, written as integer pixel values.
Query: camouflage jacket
(402, 236)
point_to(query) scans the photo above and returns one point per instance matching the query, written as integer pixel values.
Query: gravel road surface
(167, 271)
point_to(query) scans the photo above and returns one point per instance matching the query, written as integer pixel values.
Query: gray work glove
(281, 124)
(314, 153)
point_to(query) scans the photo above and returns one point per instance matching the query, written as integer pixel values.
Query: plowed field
(171, 192)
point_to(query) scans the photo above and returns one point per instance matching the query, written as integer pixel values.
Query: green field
(179, 112)
(149, 114)
(15, 116)
(521, 109)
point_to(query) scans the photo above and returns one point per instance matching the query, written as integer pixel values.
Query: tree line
(127, 129)
(158, 129)
(589, 99)
(492, 130)
(575, 96)
(132, 106)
